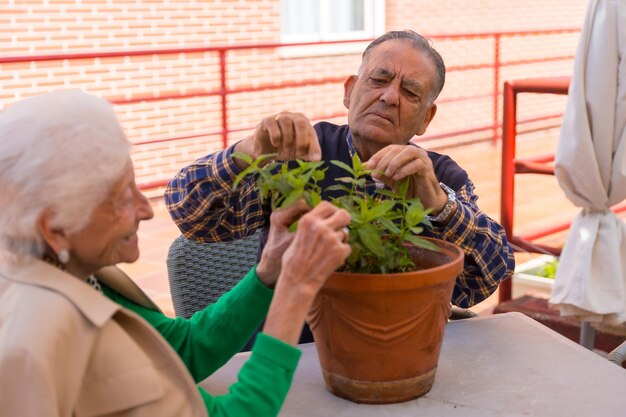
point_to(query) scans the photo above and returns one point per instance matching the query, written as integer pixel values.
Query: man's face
(389, 102)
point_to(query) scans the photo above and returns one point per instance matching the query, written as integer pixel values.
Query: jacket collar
(95, 307)
(117, 280)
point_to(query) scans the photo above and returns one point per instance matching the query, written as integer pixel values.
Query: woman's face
(110, 237)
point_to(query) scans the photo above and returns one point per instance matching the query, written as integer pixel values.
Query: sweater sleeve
(209, 338)
(262, 383)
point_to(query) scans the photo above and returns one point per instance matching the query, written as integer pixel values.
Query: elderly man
(391, 99)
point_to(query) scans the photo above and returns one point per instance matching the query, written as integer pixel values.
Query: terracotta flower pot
(378, 336)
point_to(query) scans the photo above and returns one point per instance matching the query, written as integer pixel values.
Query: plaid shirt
(202, 203)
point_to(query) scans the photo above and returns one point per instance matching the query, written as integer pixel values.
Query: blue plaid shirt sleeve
(488, 257)
(204, 206)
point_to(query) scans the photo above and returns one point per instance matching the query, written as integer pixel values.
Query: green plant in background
(549, 269)
(381, 226)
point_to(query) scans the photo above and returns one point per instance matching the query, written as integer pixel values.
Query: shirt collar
(350, 143)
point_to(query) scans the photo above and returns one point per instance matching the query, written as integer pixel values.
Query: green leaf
(313, 199)
(293, 196)
(357, 165)
(389, 194)
(280, 185)
(416, 230)
(371, 240)
(414, 215)
(243, 156)
(338, 187)
(240, 177)
(319, 175)
(389, 225)
(360, 182)
(418, 241)
(403, 188)
(346, 180)
(381, 208)
(254, 165)
(344, 166)
(376, 171)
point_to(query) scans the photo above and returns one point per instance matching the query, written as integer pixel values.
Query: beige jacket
(66, 350)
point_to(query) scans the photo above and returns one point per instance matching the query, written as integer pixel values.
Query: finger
(338, 219)
(334, 216)
(344, 251)
(405, 171)
(324, 210)
(315, 244)
(412, 161)
(385, 161)
(372, 163)
(315, 152)
(286, 148)
(287, 215)
(402, 164)
(378, 162)
(270, 125)
(334, 259)
(301, 145)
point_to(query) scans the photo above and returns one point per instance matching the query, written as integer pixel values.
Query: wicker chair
(199, 273)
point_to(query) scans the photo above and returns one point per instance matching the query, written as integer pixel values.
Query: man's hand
(394, 163)
(289, 135)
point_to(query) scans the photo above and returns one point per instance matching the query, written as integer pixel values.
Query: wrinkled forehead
(400, 58)
(399, 55)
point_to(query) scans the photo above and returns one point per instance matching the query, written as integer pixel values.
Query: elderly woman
(79, 339)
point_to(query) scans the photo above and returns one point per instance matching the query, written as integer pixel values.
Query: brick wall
(52, 27)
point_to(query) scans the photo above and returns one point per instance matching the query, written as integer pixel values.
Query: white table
(500, 365)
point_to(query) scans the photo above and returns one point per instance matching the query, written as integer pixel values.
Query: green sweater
(208, 339)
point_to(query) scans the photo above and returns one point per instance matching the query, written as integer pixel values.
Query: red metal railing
(541, 164)
(495, 64)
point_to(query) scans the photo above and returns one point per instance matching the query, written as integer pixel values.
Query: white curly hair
(62, 150)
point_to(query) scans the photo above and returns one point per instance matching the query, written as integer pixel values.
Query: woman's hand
(318, 248)
(278, 240)
(316, 251)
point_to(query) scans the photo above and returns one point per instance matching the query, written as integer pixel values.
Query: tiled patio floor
(539, 203)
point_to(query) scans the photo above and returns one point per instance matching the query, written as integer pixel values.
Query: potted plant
(379, 322)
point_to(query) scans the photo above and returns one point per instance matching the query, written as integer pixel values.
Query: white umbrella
(590, 166)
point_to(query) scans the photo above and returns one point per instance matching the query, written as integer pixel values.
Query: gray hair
(62, 150)
(420, 43)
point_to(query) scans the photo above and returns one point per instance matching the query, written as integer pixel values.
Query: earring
(64, 256)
